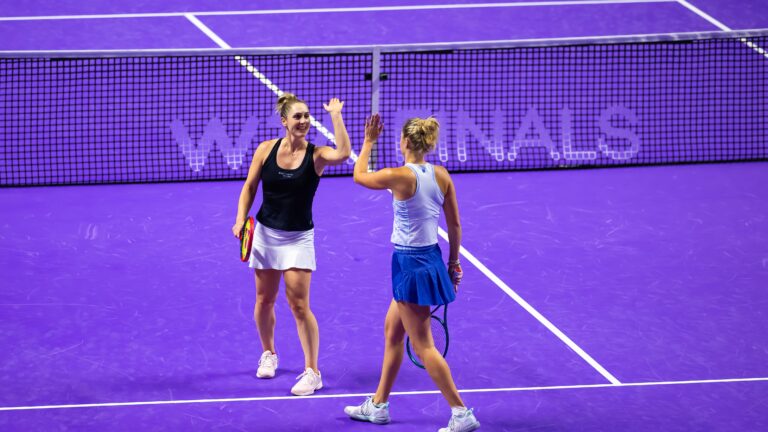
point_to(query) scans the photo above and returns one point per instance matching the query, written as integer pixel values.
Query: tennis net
(87, 118)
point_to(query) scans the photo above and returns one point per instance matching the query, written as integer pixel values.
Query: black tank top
(288, 193)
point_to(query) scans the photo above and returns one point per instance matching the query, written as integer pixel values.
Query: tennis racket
(439, 325)
(246, 239)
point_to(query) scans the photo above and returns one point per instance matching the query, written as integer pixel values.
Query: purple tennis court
(615, 264)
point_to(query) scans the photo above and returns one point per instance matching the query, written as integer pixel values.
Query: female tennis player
(283, 245)
(419, 277)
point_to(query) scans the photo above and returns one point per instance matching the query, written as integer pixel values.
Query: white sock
(458, 411)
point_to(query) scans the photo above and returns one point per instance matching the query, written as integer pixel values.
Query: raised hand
(373, 128)
(333, 106)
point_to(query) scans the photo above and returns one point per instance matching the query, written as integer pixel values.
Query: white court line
(721, 26)
(334, 10)
(600, 369)
(405, 393)
(208, 32)
(260, 76)
(536, 314)
(754, 46)
(704, 15)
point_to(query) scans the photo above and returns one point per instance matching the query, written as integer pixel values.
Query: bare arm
(387, 178)
(328, 155)
(248, 192)
(451, 210)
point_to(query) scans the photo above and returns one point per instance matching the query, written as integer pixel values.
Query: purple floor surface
(133, 293)
(455, 25)
(684, 408)
(112, 33)
(350, 28)
(659, 273)
(33, 8)
(735, 14)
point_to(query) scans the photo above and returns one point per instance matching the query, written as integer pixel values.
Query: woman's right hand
(237, 228)
(373, 128)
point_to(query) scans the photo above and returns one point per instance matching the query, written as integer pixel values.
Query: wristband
(455, 272)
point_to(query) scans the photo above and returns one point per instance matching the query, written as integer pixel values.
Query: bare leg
(394, 336)
(297, 291)
(267, 285)
(416, 320)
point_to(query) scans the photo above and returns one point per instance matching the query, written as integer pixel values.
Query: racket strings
(439, 336)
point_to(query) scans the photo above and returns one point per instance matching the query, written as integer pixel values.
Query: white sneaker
(267, 365)
(367, 411)
(309, 381)
(462, 423)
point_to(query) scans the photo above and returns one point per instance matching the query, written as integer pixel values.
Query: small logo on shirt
(285, 174)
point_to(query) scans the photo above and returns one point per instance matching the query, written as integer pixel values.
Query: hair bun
(429, 125)
(284, 102)
(422, 133)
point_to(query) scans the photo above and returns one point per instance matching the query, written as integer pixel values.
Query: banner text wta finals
(617, 139)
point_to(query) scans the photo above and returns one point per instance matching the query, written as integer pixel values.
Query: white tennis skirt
(282, 250)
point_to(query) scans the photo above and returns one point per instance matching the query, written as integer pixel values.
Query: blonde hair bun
(422, 133)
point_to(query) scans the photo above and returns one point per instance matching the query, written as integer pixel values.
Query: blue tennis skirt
(419, 276)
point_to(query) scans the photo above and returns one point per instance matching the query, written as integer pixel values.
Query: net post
(375, 82)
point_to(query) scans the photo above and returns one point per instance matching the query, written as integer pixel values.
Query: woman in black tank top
(289, 169)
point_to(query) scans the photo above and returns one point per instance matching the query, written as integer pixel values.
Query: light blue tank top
(416, 218)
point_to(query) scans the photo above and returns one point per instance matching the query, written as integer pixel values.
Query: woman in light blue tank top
(419, 277)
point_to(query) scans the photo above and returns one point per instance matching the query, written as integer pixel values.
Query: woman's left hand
(334, 106)
(456, 274)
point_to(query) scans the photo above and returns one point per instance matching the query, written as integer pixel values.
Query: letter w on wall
(214, 133)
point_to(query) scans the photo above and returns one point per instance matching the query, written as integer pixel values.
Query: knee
(264, 304)
(300, 309)
(393, 335)
(420, 348)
